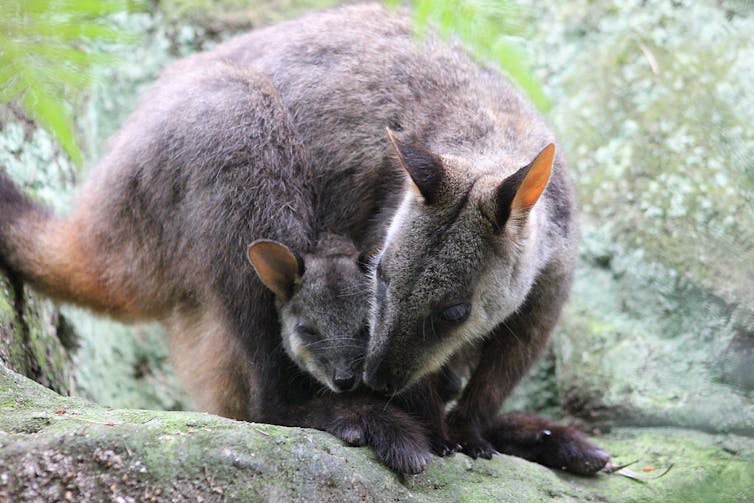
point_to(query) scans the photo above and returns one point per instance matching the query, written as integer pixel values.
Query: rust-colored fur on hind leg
(210, 362)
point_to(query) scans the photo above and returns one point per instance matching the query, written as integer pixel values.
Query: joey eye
(456, 313)
(305, 331)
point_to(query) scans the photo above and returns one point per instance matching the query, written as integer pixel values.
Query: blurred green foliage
(488, 28)
(44, 61)
(229, 16)
(48, 47)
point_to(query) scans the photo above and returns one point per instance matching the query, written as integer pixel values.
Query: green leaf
(482, 24)
(54, 116)
(47, 53)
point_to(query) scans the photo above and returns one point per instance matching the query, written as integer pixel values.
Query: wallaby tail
(55, 256)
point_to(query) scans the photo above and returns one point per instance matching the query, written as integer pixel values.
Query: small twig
(650, 58)
(663, 473)
(611, 468)
(631, 475)
(260, 431)
(110, 423)
(624, 471)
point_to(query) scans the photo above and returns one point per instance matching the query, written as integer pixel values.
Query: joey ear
(277, 266)
(519, 192)
(424, 167)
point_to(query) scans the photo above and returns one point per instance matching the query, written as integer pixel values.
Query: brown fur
(208, 163)
(210, 363)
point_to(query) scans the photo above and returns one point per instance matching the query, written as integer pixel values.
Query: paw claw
(443, 447)
(479, 450)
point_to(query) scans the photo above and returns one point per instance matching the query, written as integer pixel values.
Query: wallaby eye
(456, 313)
(305, 331)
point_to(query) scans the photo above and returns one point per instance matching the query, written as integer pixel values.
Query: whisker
(510, 331)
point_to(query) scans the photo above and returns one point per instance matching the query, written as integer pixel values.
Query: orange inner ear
(275, 265)
(536, 179)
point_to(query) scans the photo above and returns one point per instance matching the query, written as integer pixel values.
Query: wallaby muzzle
(382, 378)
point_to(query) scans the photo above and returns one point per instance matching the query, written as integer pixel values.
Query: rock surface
(652, 103)
(54, 448)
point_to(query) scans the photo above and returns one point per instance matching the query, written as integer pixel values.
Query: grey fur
(323, 321)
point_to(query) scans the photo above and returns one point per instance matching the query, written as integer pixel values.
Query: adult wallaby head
(322, 303)
(460, 256)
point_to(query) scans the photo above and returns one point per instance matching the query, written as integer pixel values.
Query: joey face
(459, 258)
(323, 325)
(323, 312)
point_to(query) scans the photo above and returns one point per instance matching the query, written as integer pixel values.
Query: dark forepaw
(478, 448)
(351, 432)
(400, 442)
(469, 438)
(547, 443)
(401, 446)
(403, 458)
(442, 446)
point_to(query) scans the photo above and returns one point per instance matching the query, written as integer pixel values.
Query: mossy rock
(56, 448)
(653, 105)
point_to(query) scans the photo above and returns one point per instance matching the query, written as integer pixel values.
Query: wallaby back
(208, 162)
(166, 215)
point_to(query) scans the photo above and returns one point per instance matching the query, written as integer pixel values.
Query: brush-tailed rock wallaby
(209, 162)
(470, 201)
(322, 300)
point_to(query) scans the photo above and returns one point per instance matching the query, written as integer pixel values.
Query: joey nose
(343, 380)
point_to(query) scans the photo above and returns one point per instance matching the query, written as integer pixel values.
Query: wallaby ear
(519, 192)
(277, 266)
(424, 167)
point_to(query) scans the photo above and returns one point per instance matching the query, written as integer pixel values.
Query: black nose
(381, 381)
(343, 380)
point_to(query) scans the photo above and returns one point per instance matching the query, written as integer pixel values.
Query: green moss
(652, 104)
(174, 452)
(641, 345)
